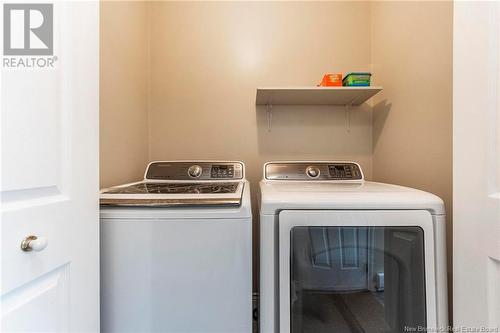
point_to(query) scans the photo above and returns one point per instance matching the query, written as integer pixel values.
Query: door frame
(349, 218)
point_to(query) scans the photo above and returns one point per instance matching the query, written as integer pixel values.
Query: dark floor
(359, 312)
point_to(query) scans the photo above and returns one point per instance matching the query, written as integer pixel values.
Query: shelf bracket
(269, 112)
(348, 117)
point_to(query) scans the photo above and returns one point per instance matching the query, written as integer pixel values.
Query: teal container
(359, 79)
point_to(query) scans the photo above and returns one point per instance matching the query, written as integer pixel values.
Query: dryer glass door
(348, 272)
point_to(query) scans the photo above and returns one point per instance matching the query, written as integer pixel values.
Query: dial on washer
(195, 171)
(312, 172)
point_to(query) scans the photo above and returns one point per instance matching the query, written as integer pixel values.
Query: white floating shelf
(315, 95)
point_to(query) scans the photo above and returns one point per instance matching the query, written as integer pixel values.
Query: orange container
(331, 80)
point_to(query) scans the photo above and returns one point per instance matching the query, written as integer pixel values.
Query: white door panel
(26, 301)
(476, 165)
(31, 168)
(493, 293)
(346, 264)
(49, 182)
(494, 260)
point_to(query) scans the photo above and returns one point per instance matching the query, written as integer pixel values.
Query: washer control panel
(340, 171)
(222, 171)
(195, 170)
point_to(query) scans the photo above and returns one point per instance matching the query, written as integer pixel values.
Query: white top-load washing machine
(340, 254)
(176, 250)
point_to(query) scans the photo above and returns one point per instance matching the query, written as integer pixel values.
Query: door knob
(33, 243)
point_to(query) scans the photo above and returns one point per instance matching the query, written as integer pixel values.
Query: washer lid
(162, 194)
(182, 183)
(174, 188)
(186, 211)
(279, 195)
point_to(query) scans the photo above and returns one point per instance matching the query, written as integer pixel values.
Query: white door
(476, 164)
(49, 168)
(403, 251)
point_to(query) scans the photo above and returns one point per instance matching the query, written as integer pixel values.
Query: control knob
(195, 171)
(312, 172)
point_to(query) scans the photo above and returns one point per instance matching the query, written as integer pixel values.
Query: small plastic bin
(331, 80)
(360, 79)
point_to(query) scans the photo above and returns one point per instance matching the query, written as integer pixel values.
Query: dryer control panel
(310, 171)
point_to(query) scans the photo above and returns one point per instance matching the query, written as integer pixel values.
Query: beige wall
(123, 92)
(412, 118)
(207, 58)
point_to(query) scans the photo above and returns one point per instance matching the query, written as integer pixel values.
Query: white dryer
(176, 250)
(341, 254)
